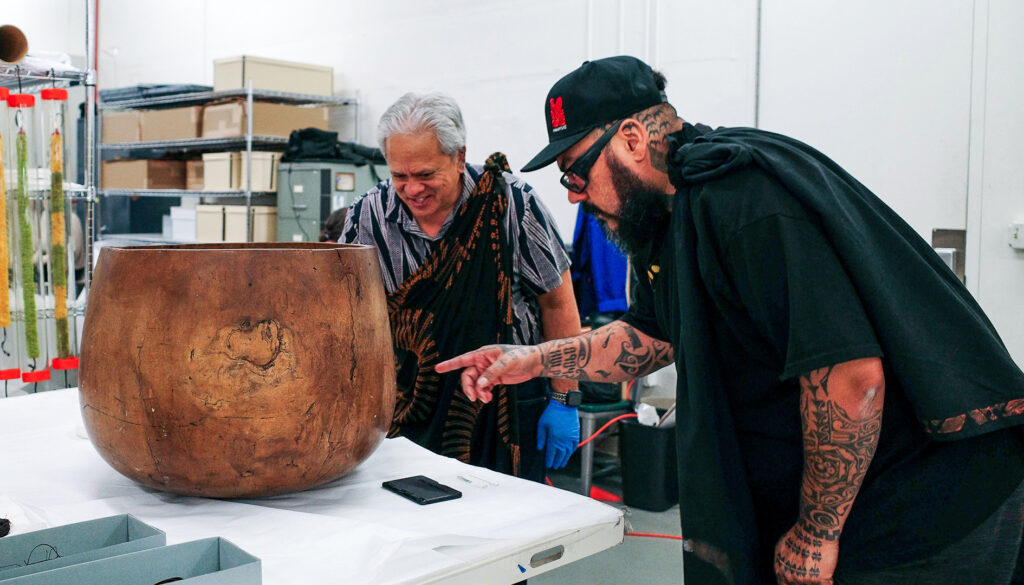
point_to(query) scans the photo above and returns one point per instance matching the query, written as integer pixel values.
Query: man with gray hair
(469, 255)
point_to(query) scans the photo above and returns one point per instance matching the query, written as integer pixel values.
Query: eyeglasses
(575, 177)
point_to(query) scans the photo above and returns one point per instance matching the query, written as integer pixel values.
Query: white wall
(49, 25)
(882, 90)
(497, 58)
(998, 197)
(920, 100)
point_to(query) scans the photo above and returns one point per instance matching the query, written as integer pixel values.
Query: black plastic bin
(649, 478)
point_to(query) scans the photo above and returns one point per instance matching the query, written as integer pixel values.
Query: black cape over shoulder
(946, 355)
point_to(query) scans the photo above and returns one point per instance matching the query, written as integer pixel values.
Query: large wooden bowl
(237, 370)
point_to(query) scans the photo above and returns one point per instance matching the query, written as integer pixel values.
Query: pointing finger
(453, 364)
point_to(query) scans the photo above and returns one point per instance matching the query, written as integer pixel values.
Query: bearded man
(846, 412)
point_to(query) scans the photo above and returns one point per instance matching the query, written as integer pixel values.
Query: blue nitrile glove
(558, 433)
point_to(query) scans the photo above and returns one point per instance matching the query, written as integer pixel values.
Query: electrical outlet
(1015, 236)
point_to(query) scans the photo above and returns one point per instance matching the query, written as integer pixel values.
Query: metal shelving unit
(24, 79)
(247, 142)
(186, 99)
(178, 193)
(29, 80)
(197, 144)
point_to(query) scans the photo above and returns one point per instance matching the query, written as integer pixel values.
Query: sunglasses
(575, 177)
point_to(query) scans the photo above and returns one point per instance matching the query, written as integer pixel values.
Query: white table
(350, 531)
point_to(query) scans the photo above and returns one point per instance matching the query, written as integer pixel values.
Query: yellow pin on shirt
(652, 271)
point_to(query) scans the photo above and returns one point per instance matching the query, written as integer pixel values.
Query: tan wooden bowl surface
(237, 370)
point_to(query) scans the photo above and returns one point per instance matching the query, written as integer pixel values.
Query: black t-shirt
(784, 306)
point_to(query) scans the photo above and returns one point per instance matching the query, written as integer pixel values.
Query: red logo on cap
(557, 114)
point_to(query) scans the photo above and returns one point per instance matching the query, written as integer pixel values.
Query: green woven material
(58, 252)
(28, 287)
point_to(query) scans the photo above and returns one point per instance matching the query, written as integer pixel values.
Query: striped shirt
(379, 218)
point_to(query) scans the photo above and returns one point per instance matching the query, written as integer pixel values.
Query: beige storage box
(121, 126)
(264, 170)
(264, 223)
(271, 74)
(143, 174)
(228, 120)
(218, 172)
(209, 223)
(226, 171)
(194, 175)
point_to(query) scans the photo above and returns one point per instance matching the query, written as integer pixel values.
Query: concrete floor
(650, 561)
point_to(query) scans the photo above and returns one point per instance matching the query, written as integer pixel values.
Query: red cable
(606, 425)
(594, 436)
(650, 535)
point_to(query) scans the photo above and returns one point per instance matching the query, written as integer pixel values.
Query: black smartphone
(422, 490)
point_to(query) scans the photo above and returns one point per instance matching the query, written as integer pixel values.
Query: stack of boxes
(219, 171)
(226, 223)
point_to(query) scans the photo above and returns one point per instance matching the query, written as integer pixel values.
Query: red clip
(54, 93)
(13, 374)
(68, 363)
(21, 100)
(39, 376)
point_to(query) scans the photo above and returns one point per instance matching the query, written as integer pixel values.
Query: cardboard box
(194, 175)
(271, 74)
(209, 223)
(143, 174)
(61, 546)
(121, 126)
(170, 124)
(210, 561)
(227, 171)
(228, 119)
(264, 223)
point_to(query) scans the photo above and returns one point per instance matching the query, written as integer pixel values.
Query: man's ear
(635, 136)
(462, 159)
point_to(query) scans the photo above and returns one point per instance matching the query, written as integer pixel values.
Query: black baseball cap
(596, 93)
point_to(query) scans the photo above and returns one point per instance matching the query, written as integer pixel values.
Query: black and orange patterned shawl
(458, 300)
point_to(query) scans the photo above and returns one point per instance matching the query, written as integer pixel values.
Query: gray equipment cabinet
(307, 192)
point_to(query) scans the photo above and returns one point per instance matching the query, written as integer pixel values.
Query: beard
(643, 214)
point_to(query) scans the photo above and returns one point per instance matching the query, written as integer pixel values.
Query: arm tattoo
(613, 353)
(567, 358)
(837, 451)
(637, 359)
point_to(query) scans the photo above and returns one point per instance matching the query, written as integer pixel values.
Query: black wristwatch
(570, 398)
